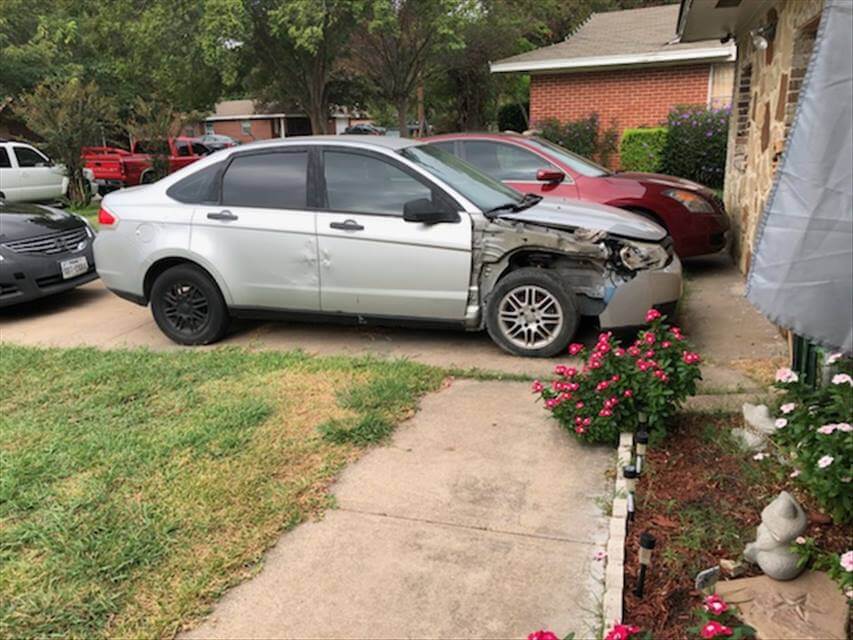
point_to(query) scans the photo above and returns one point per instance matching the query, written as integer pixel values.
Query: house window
(246, 127)
(742, 104)
(208, 128)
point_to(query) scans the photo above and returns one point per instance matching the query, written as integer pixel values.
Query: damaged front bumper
(628, 302)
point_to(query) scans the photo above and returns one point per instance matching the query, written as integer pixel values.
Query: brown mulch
(701, 499)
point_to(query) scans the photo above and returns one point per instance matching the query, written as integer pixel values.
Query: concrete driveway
(722, 325)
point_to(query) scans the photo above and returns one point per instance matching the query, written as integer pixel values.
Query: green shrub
(513, 117)
(696, 144)
(814, 429)
(617, 388)
(641, 149)
(585, 137)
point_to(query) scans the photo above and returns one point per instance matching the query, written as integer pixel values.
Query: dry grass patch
(135, 487)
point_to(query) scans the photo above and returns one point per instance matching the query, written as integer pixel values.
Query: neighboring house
(774, 41)
(626, 66)
(247, 120)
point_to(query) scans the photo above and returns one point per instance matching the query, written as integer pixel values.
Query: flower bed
(701, 497)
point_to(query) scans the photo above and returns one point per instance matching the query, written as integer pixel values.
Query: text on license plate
(74, 267)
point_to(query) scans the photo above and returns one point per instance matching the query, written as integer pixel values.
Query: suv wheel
(530, 313)
(188, 306)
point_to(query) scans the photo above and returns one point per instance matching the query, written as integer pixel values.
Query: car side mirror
(424, 211)
(550, 175)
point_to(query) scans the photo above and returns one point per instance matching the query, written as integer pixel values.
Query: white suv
(28, 175)
(376, 228)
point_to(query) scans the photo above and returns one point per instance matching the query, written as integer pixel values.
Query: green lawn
(136, 486)
(89, 212)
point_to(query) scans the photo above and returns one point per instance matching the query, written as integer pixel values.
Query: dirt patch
(762, 370)
(701, 498)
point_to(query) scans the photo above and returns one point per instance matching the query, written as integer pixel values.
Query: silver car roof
(386, 142)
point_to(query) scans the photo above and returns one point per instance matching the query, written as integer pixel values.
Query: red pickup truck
(115, 168)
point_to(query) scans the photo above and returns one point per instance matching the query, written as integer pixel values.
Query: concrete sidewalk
(479, 519)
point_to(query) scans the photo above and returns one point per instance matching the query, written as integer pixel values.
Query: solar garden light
(641, 442)
(630, 474)
(647, 543)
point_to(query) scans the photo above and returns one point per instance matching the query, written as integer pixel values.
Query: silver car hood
(572, 214)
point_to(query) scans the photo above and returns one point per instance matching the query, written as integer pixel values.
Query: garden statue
(782, 521)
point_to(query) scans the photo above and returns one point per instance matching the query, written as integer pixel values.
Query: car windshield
(485, 192)
(577, 163)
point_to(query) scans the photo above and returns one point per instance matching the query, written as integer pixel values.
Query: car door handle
(222, 215)
(347, 225)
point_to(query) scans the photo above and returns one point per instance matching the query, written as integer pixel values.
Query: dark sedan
(42, 251)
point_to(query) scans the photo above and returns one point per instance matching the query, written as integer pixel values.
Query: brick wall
(625, 98)
(261, 129)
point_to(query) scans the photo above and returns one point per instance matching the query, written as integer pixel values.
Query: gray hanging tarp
(801, 276)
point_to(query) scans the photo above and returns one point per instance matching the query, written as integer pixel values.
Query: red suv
(691, 213)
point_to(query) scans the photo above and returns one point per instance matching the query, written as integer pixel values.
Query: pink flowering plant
(616, 388)
(815, 429)
(718, 619)
(839, 566)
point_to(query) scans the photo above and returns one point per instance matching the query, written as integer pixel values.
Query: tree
(68, 115)
(154, 121)
(396, 46)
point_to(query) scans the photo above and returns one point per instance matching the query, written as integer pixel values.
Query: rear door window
(202, 187)
(5, 162)
(504, 161)
(362, 183)
(30, 157)
(276, 180)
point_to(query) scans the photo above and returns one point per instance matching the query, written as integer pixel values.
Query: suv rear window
(5, 163)
(202, 187)
(277, 180)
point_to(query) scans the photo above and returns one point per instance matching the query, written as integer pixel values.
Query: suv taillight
(105, 218)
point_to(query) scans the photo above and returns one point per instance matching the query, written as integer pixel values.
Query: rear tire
(531, 313)
(188, 306)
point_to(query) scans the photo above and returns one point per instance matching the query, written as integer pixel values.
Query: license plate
(74, 267)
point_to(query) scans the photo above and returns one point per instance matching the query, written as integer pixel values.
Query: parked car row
(507, 233)
(373, 228)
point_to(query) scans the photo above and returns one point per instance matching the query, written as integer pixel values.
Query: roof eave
(710, 54)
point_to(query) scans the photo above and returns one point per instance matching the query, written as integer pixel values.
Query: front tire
(188, 306)
(530, 313)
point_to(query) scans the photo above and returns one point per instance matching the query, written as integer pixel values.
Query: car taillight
(105, 218)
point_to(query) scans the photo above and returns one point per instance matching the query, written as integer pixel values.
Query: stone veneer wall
(767, 87)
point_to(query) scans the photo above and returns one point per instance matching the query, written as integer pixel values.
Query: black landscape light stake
(642, 442)
(630, 474)
(647, 543)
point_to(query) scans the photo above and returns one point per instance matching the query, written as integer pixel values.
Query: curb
(614, 574)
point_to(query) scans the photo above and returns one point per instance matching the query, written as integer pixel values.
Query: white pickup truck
(28, 175)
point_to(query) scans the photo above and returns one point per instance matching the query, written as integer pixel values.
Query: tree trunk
(319, 117)
(402, 116)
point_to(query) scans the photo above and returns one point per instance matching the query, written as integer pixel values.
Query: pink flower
(835, 357)
(827, 429)
(605, 413)
(759, 456)
(601, 386)
(716, 605)
(847, 561)
(660, 374)
(537, 386)
(785, 375)
(575, 348)
(781, 423)
(580, 430)
(560, 370)
(594, 363)
(622, 632)
(616, 378)
(649, 338)
(691, 358)
(627, 393)
(787, 408)
(842, 378)
(542, 635)
(825, 461)
(633, 351)
(652, 315)
(666, 344)
(712, 629)
(571, 372)
(587, 422)
(551, 403)
(846, 427)
(600, 554)
(579, 404)
(800, 540)
(794, 473)
(619, 352)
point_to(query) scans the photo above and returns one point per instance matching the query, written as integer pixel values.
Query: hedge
(641, 149)
(696, 144)
(582, 136)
